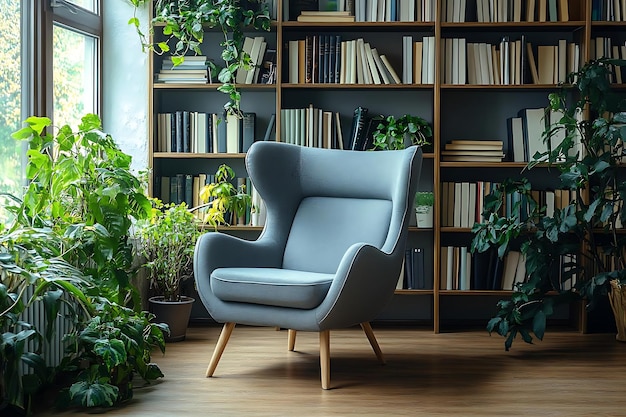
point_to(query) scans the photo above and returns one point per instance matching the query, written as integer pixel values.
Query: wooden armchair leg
(291, 344)
(325, 358)
(227, 330)
(367, 328)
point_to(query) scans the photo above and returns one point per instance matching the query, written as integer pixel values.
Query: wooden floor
(461, 374)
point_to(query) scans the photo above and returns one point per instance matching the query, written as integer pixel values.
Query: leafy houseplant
(589, 157)
(222, 197)
(166, 241)
(424, 201)
(392, 133)
(69, 244)
(184, 23)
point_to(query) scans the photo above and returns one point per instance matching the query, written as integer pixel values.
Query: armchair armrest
(364, 283)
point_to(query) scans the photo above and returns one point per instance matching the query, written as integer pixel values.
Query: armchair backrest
(320, 201)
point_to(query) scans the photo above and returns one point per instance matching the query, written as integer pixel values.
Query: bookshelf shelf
(456, 111)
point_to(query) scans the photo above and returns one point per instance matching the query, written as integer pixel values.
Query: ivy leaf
(93, 394)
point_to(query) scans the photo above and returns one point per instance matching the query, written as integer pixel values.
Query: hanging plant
(184, 23)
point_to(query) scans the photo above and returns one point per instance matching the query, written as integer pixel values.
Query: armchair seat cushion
(271, 286)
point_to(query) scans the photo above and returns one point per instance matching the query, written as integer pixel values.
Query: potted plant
(222, 199)
(424, 201)
(392, 133)
(166, 240)
(184, 23)
(581, 242)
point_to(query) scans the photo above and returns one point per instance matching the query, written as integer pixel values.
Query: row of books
(312, 127)
(492, 11)
(413, 274)
(511, 62)
(198, 132)
(194, 70)
(187, 188)
(418, 60)
(525, 134)
(463, 270)
(608, 10)
(255, 47)
(473, 151)
(463, 202)
(361, 10)
(604, 47)
(329, 59)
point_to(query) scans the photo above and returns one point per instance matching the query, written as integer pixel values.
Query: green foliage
(589, 159)
(390, 134)
(69, 244)
(222, 197)
(32, 271)
(424, 198)
(81, 186)
(185, 22)
(167, 240)
(107, 353)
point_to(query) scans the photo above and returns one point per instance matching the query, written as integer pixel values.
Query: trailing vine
(184, 23)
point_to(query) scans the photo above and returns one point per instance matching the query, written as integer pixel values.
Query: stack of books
(324, 16)
(191, 71)
(473, 151)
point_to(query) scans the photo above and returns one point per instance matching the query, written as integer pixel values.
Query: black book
(180, 189)
(189, 190)
(270, 128)
(497, 270)
(178, 143)
(480, 270)
(186, 132)
(248, 127)
(209, 133)
(366, 141)
(331, 58)
(358, 124)
(337, 59)
(418, 272)
(408, 268)
(173, 129)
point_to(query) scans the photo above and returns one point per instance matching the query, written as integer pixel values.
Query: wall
(125, 81)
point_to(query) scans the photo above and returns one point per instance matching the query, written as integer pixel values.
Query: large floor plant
(184, 23)
(589, 156)
(80, 203)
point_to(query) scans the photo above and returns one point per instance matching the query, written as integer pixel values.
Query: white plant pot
(424, 216)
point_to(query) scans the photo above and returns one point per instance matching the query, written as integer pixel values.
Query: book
(418, 272)
(517, 150)
(270, 128)
(325, 18)
(240, 77)
(389, 68)
(533, 126)
(358, 122)
(248, 127)
(256, 54)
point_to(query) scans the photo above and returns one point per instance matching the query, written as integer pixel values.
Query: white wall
(125, 81)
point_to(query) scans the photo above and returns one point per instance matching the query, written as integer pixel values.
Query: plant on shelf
(166, 241)
(222, 198)
(183, 22)
(581, 245)
(424, 202)
(392, 133)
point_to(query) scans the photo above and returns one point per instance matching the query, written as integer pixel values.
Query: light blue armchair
(331, 251)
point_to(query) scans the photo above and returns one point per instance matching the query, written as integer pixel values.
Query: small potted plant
(393, 134)
(166, 241)
(224, 203)
(424, 201)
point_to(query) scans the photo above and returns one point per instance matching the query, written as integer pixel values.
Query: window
(14, 91)
(49, 66)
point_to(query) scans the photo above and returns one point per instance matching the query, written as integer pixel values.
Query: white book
(380, 12)
(561, 62)
(455, 60)
(407, 57)
(517, 139)
(363, 64)
(448, 57)
(462, 61)
(463, 277)
(411, 11)
(384, 74)
(254, 58)
(472, 204)
(201, 131)
(534, 126)
(458, 205)
(393, 72)
(373, 69)
(352, 60)
(258, 63)
(510, 269)
(485, 63)
(240, 77)
(232, 133)
(431, 59)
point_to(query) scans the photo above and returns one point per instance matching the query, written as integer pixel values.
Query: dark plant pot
(174, 313)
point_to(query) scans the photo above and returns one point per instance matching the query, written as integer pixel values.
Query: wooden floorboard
(462, 373)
